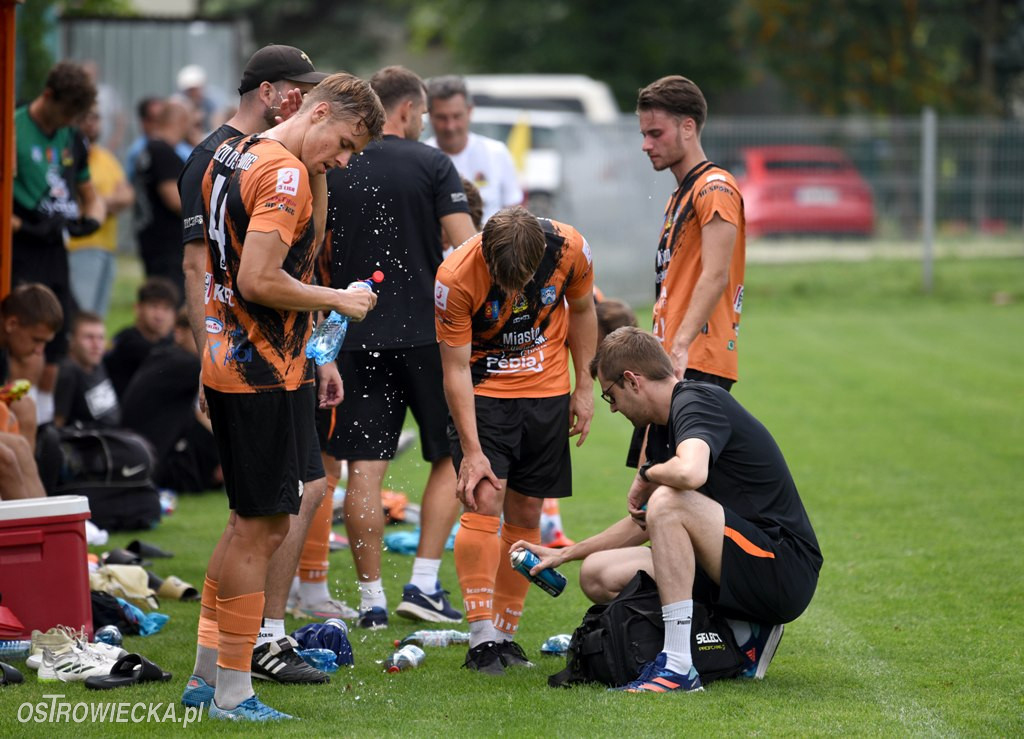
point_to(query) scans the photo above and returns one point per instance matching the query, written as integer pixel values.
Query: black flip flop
(145, 549)
(9, 675)
(129, 670)
(124, 557)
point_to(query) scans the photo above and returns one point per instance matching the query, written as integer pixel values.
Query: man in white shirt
(483, 161)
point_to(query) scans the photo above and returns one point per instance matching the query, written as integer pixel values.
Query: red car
(804, 190)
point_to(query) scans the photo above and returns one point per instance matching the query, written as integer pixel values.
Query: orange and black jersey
(706, 190)
(255, 184)
(519, 343)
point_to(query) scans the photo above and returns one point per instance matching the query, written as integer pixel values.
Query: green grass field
(902, 417)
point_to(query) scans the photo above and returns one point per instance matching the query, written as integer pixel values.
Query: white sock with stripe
(677, 617)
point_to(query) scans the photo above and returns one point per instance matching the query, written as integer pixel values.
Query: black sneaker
(485, 658)
(513, 655)
(278, 662)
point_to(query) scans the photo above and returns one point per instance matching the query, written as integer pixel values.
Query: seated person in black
(162, 404)
(84, 394)
(154, 318)
(718, 504)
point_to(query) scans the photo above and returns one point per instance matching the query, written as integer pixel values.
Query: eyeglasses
(604, 391)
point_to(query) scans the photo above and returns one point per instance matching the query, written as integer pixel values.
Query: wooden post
(7, 155)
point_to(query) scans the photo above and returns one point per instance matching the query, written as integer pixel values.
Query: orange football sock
(313, 561)
(477, 550)
(510, 587)
(208, 615)
(238, 623)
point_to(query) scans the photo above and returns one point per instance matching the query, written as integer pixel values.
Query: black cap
(275, 63)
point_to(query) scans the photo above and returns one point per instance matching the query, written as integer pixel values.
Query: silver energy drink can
(551, 581)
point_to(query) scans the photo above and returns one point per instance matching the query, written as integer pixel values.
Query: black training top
(130, 349)
(160, 401)
(85, 397)
(384, 213)
(156, 225)
(190, 183)
(747, 473)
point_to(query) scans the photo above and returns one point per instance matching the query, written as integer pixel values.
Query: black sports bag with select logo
(114, 469)
(617, 639)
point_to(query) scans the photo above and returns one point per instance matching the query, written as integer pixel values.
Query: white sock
(424, 574)
(677, 617)
(206, 664)
(371, 594)
(741, 631)
(233, 687)
(481, 631)
(311, 593)
(271, 629)
(44, 407)
(293, 591)
(504, 635)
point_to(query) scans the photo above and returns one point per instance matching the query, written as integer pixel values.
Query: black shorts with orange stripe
(380, 385)
(764, 578)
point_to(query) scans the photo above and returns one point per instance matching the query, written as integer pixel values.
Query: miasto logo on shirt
(440, 295)
(288, 181)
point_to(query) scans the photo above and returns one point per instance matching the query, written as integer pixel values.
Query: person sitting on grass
(84, 394)
(718, 504)
(155, 308)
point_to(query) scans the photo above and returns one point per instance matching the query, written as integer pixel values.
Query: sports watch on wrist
(643, 470)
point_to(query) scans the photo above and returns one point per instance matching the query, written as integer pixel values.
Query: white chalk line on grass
(917, 719)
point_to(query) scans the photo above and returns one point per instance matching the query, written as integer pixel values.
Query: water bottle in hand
(324, 344)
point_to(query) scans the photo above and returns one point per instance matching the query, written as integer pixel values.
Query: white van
(574, 93)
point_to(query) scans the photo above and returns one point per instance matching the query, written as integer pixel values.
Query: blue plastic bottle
(324, 344)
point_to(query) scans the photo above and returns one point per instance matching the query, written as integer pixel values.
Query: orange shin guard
(510, 587)
(477, 550)
(238, 623)
(313, 562)
(208, 615)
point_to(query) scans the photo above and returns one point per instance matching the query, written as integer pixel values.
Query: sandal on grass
(129, 670)
(9, 675)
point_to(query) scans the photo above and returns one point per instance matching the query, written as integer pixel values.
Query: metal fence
(614, 197)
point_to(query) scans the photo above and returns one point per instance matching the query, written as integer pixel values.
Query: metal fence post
(929, 145)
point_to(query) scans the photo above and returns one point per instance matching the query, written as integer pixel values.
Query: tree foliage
(884, 56)
(625, 44)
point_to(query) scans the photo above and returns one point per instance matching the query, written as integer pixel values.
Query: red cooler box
(44, 573)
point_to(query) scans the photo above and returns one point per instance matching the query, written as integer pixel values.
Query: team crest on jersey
(519, 304)
(440, 295)
(288, 181)
(492, 310)
(548, 294)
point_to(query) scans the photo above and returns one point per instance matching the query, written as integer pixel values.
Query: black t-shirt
(160, 400)
(747, 473)
(190, 183)
(155, 224)
(85, 397)
(127, 354)
(384, 212)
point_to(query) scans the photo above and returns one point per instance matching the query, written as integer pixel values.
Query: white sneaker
(73, 665)
(61, 639)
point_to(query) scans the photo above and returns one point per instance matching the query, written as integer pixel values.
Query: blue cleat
(655, 678)
(251, 709)
(419, 606)
(374, 618)
(760, 648)
(198, 692)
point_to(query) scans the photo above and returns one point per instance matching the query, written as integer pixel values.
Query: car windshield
(812, 165)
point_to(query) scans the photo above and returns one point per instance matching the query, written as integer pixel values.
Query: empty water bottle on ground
(435, 638)
(322, 659)
(406, 658)
(557, 645)
(329, 334)
(14, 647)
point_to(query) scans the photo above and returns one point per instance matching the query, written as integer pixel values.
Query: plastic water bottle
(557, 645)
(324, 344)
(435, 638)
(322, 659)
(17, 648)
(406, 658)
(109, 634)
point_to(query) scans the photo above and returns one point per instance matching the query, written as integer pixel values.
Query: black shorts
(637, 441)
(379, 386)
(267, 447)
(49, 266)
(526, 440)
(764, 579)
